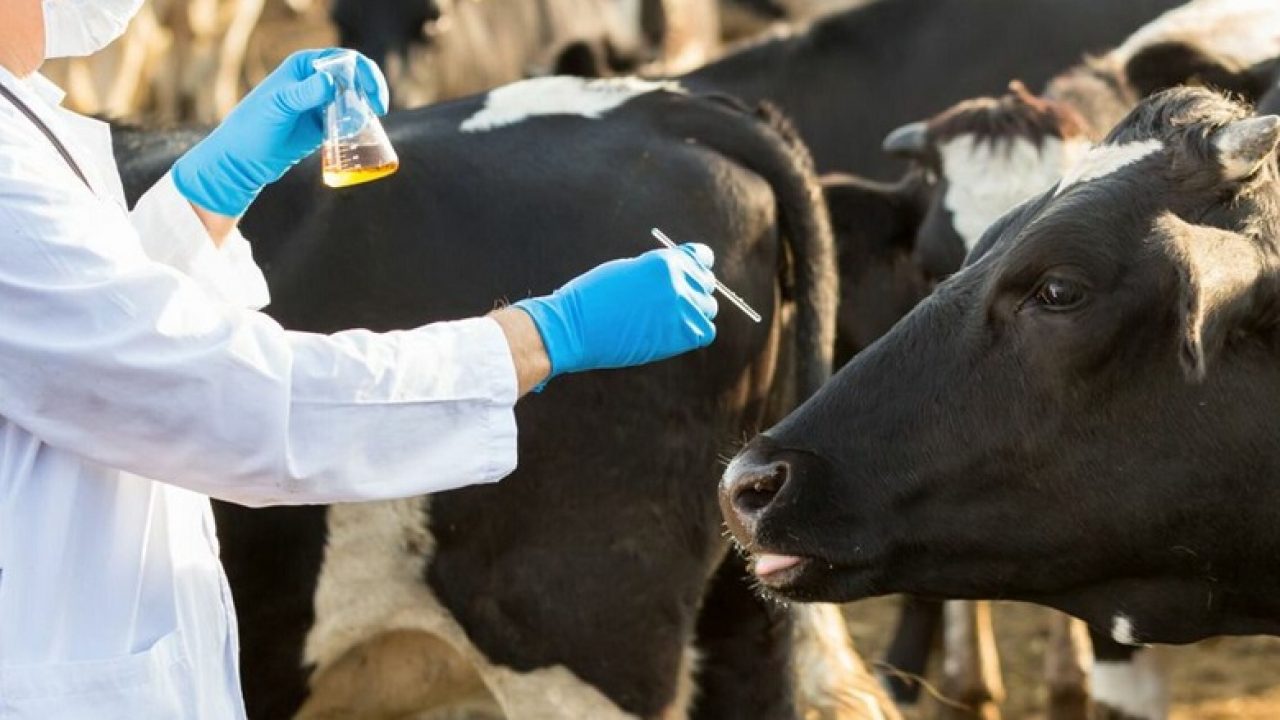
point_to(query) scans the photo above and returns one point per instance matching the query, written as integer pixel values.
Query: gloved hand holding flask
(274, 128)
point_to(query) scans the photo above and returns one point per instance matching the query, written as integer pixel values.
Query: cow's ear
(1163, 65)
(1244, 146)
(875, 216)
(1222, 288)
(909, 142)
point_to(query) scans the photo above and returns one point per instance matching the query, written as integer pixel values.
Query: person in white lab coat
(137, 378)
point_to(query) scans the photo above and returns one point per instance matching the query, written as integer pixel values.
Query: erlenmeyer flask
(356, 148)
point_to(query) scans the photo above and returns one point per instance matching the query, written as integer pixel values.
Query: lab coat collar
(33, 86)
(46, 89)
(93, 139)
(86, 139)
(35, 83)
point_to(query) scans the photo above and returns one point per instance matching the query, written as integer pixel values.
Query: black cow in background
(970, 163)
(991, 154)
(973, 161)
(851, 78)
(846, 80)
(572, 588)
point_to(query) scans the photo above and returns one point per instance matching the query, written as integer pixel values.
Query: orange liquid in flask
(356, 148)
(345, 165)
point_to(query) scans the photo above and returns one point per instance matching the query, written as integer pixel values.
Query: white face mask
(75, 28)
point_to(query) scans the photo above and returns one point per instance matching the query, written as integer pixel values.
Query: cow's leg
(231, 56)
(745, 644)
(166, 90)
(138, 58)
(832, 682)
(691, 34)
(909, 652)
(971, 665)
(1067, 661)
(1128, 683)
(205, 21)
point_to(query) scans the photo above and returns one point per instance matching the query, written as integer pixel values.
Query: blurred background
(1223, 679)
(189, 61)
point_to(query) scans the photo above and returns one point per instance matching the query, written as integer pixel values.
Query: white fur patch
(1245, 32)
(1122, 630)
(371, 582)
(1139, 687)
(1106, 159)
(987, 179)
(559, 96)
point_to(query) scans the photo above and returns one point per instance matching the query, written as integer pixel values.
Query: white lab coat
(128, 350)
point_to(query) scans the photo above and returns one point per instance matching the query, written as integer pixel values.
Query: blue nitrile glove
(271, 130)
(629, 312)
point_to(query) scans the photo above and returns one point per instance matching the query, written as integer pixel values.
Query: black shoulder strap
(57, 144)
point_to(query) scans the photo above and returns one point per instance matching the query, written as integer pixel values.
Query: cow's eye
(1056, 293)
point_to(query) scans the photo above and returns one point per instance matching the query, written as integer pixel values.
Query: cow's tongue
(769, 564)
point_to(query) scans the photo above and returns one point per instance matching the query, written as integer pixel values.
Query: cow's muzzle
(759, 483)
(748, 489)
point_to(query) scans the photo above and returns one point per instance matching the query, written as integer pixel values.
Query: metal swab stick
(729, 295)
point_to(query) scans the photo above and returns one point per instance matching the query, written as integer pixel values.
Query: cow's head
(989, 155)
(1085, 416)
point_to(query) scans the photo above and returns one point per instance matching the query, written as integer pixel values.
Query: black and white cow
(818, 76)
(991, 154)
(851, 78)
(573, 587)
(982, 156)
(1074, 418)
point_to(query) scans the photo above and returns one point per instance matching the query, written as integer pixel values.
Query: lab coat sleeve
(172, 234)
(130, 364)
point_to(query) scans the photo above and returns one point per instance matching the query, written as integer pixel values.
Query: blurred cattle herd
(189, 61)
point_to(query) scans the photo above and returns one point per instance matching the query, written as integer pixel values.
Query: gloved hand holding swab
(729, 295)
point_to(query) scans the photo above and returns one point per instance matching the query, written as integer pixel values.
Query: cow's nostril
(754, 492)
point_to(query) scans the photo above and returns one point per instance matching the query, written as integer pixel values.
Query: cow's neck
(1250, 563)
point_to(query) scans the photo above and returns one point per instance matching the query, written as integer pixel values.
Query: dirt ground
(1224, 679)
